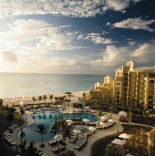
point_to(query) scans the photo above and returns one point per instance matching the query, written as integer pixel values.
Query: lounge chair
(53, 142)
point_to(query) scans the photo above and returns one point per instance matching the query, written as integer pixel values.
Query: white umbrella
(118, 142)
(21, 103)
(69, 121)
(123, 114)
(58, 137)
(86, 120)
(103, 124)
(92, 129)
(125, 136)
(103, 118)
(77, 131)
(111, 120)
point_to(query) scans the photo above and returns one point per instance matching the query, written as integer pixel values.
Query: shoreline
(28, 99)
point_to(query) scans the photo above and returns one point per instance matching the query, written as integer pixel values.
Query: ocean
(16, 85)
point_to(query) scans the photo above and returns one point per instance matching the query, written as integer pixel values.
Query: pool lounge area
(48, 118)
(76, 144)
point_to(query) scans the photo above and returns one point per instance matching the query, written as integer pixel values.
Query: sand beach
(28, 99)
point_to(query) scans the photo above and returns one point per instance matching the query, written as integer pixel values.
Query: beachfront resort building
(132, 86)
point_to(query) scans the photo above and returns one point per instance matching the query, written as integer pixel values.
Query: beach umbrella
(77, 131)
(21, 103)
(111, 120)
(103, 124)
(86, 120)
(69, 121)
(58, 137)
(125, 136)
(118, 142)
(123, 114)
(103, 118)
(92, 129)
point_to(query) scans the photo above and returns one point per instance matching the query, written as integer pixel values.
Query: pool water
(47, 118)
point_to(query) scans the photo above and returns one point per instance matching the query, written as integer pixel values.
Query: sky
(75, 36)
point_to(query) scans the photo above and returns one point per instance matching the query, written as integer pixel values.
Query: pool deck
(86, 151)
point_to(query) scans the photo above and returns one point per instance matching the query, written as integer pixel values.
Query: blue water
(48, 119)
(15, 85)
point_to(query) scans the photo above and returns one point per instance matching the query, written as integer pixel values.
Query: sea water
(19, 84)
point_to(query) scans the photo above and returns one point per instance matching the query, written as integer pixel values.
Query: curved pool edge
(31, 121)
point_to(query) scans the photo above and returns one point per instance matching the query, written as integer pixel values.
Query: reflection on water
(48, 118)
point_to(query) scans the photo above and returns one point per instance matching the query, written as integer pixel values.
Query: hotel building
(132, 86)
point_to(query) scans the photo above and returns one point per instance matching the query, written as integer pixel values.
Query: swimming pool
(47, 118)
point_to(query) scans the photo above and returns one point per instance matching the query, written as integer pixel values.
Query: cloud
(131, 43)
(9, 56)
(117, 5)
(37, 36)
(80, 8)
(96, 38)
(108, 23)
(145, 54)
(114, 57)
(135, 24)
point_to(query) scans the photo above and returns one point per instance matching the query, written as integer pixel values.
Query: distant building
(108, 89)
(132, 87)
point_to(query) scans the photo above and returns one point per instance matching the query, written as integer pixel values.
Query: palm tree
(65, 99)
(10, 115)
(1, 102)
(41, 129)
(45, 97)
(22, 112)
(51, 97)
(68, 94)
(84, 95)
(34, 99)
(22, 135)
(28, 151)
(40, 98)
(56, 101)
(31, 150)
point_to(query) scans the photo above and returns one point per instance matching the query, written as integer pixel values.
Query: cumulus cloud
(145, 54)
(9, 56)
(135, 24)
(114, 57)
(37, 35)
(80, 8)
(96, 38)
(117, 5)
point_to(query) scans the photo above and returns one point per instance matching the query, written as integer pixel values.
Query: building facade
(132, 86)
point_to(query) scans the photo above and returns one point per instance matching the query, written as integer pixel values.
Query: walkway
(86, 150)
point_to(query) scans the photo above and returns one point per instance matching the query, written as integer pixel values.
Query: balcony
(151, 86)
(151, 93)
